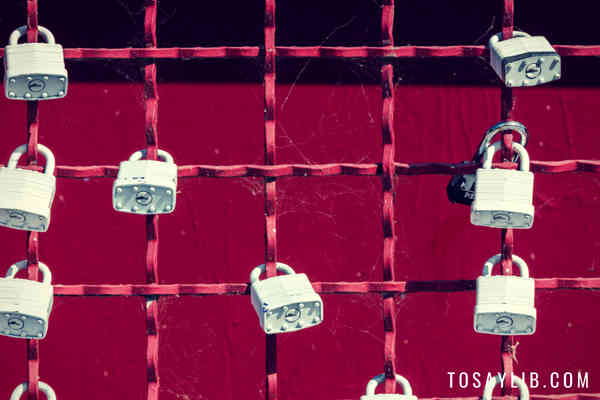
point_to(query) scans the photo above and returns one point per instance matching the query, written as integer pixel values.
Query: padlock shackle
(489, 265)
(518, 148)
(23, 387)
(161, 154)
(498, 36)
(375, 381)
(22, 30)
(500, 127)
(257, 272)
(491, 384)
(46, 152)
(16, 267)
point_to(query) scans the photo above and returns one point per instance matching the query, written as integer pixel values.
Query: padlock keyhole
(292, 315)
(533, 70)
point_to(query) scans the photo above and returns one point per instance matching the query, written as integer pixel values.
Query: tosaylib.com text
(534, 380)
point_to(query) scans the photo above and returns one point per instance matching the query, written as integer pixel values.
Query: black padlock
(461, 188)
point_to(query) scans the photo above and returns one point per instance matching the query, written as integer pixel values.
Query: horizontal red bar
(320, 287)
(304, 51)
(283, 170)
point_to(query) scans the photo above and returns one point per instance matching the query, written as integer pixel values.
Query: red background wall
(329, 228)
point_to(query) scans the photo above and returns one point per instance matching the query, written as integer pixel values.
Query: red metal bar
(151, 132)
(270, 188)
(285, 170)
(387, 176)
(32, 241)
(396, 287)
(507, 235)
(188, 53)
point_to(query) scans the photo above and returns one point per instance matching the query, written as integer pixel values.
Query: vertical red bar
(151, 132)
(507, 235)
(270, 189)
(389, 234)
(32, 243)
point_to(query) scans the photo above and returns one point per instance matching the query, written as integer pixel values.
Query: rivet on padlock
(34, 71)
(461, 188)
(373, 383)
(146, 186)
(503, 197)
(23, 387)
(505, 303)
(25, 305)
(491, 384)
(524, 60)
(27, 196)
(284, 303)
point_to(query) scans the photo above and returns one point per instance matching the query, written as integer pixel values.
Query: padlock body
(34, 71)
(525, 61)
(145, 187)
(505, 305)
(25, 307)
(286, 303)
(503, 199)
(26, 199)
(387, 396)
(461, 189)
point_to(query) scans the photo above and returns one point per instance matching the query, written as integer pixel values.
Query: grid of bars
(387, 169)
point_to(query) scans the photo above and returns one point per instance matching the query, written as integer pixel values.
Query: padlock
(284, 303)
(503, 197)
(24, 387)
(25, 305)
(505, 303)
(34, 71)
(461, 188)
(524, 60)
(491, 384)
(27, 195)
(146, 186)
(373, 383)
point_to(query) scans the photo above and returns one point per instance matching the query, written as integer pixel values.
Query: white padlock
(25, 305)
(146, 186)
(27, 195)
(503, 197)
(524, 60)
(505, 303)
(284, 303)
(491, 384)
(34, 71)
(23, 387)
(373, 383)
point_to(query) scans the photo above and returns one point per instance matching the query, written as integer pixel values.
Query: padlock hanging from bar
(505, 304)
(284, 303)
(25, 305)
(34, 71)
(524, 60)
(498, 380)
(146, 186)
(407, 393)
(27, 196)
(20, 390)
(461, 188)
(503, 197)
